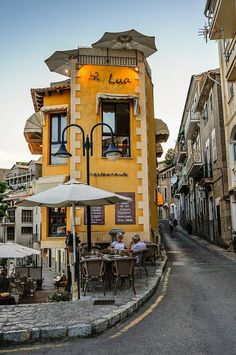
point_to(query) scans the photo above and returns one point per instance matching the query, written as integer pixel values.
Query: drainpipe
(195, 205)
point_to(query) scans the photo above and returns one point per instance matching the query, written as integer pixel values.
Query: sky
(33, 30)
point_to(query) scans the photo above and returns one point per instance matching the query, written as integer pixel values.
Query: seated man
(118, 244)
(137, 245)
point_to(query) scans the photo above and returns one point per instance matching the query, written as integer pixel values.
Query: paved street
(193, 311)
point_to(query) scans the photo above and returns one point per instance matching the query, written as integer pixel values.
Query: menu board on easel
(97, 215)
(125, 211)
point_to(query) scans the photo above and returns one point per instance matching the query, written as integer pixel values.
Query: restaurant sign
(125, 211)
(111, 80)
(97, 215)
(108, 174)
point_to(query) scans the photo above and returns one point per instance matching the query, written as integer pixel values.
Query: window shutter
(213, 144)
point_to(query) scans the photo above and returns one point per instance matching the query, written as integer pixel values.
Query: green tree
(3, 205)
(169, 157)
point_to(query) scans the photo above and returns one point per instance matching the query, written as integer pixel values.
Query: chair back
(93, 267)
(143, 256)
(152, 249)
(123, 267)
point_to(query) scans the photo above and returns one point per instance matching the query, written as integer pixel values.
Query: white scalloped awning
(53, 108)
(103, 96)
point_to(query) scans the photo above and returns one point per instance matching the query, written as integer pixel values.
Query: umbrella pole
(75, 285)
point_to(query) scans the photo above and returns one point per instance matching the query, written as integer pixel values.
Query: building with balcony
(202, 185)
(221, 15)
(18, 224)
(111, 86)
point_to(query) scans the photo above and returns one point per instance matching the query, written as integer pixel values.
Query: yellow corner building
(113, 86)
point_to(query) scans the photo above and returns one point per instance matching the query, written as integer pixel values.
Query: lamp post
(112, 153)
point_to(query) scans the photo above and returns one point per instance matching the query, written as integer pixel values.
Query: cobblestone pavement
(36, 322)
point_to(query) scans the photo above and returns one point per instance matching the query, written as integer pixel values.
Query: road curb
(94, 328)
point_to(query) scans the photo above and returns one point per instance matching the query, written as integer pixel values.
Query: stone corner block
(99, 326)
(79, 330)
(16, 336)
(53, 332)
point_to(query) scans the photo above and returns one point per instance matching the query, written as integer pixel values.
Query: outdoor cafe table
(108, 265)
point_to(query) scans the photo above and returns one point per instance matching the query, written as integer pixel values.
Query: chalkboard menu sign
(125, 211)
(97, 215)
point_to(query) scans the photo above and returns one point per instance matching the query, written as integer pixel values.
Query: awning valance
(53, 108)
(162, 131)
(103, 96)
(159, 150)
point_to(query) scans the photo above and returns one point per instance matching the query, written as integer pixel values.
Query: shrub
(59, 296)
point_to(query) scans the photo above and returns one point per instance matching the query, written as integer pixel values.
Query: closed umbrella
(131, 39)
(72, 194)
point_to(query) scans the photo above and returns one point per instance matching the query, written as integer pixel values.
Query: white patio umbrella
(72, 194)
(23, 249)
(15, 251)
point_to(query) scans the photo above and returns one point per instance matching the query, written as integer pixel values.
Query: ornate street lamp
(112, 153)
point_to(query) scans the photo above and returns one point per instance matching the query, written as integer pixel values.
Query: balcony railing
(182, 153)
(192, 121)
(112, 61)
(194, 163)
(183, 184)
(206, 175)
(7, 221)
(221, 18)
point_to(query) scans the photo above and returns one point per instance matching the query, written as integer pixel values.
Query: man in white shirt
(137, 244)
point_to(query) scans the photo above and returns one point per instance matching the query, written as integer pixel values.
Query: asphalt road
(193, 311)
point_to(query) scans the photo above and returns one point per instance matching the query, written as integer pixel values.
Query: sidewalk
(229, 254)
(39, 322)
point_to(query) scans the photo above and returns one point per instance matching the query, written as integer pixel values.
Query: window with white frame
(27, 216)
(57, 123)
(117, 116)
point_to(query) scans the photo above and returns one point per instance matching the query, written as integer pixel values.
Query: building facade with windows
(221, 15)
(203, 186)
(105, 86)
(165, 188)
(18, 224)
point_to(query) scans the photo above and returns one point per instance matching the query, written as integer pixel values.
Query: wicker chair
(123, 269)
(93, 270)
(152, 253)
(141, 257)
